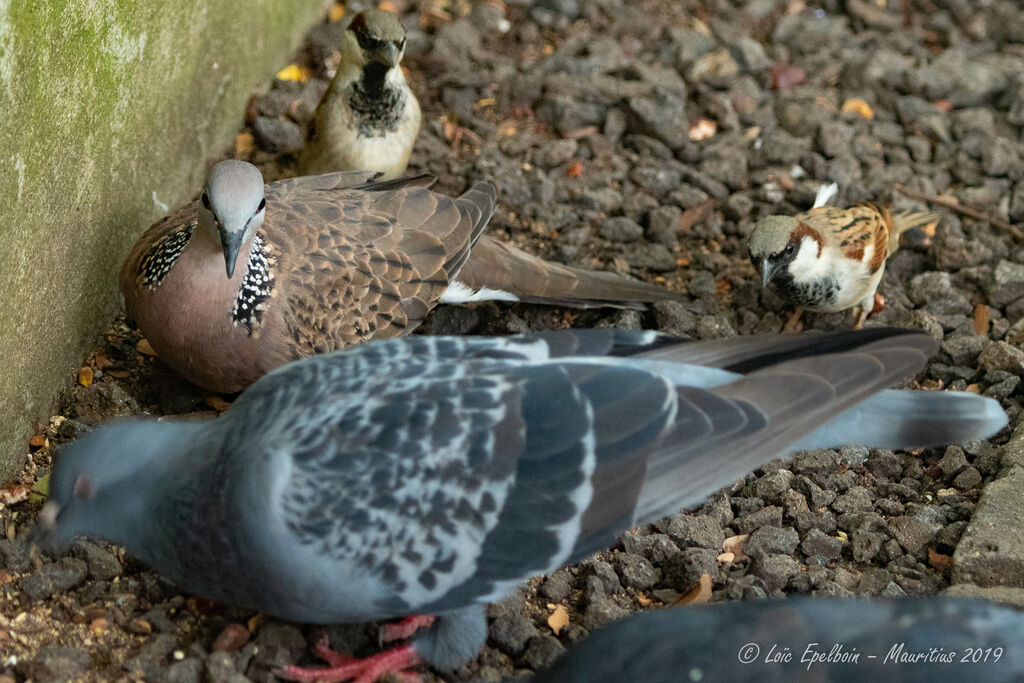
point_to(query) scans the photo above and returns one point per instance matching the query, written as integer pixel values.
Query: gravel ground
(645, 138)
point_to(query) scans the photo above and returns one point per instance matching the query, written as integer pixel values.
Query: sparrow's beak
(231, 243)
(387, 54)
(767, 271)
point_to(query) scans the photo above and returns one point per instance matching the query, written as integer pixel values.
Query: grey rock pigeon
(253, 276)
(432, 475)
(368, 119)
(804, 639)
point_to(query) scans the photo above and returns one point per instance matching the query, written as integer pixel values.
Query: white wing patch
(825, 195)
(460, 293)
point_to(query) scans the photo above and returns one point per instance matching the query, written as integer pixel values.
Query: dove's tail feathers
(759, 417)
(478, 204)
(910, 419)
(515, 275)
(825, 195)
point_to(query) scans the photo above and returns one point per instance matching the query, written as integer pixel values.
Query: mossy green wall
(106, 107)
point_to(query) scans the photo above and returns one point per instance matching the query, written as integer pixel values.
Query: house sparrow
(830, 259)
(368, 119)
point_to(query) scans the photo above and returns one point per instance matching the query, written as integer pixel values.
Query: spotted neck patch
(257, 287)
(162, 256)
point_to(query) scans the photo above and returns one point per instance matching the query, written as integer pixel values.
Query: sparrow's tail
(498, 271)
(901, 221)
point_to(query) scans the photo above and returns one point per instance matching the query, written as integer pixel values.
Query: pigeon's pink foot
(401, 630)
(365, 670)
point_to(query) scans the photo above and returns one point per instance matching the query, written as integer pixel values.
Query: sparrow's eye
(790, 248)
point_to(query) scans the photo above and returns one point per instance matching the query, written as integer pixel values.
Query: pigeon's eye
(263, 205)
(83, 488)
(206, 202)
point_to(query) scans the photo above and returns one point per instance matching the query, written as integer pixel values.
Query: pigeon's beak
(388, 54)
(231, 243)
(767, 271)
(46, 525)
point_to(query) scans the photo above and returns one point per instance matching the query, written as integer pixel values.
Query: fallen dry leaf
(336, 12)
(145, 348)
(695, 214)
(37, 442)
(735, 545)
(945, 106)
(858, 106)
(294, 72)
(702, 130)
(700, 594)
(939, 561)
(255, 622)
(11, 495)
(558, 620)
(726, 558)
(232, 638)
(981, 315)
(100, 624)
(140, 626)
(85, 375)
(575, 170)
(245, 143)
(216, 402)
(973, 388)
(101, 361)
(785, 76)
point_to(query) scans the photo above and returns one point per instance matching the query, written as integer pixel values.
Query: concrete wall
(106, 106)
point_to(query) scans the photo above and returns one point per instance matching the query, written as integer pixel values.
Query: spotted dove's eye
(206, 202)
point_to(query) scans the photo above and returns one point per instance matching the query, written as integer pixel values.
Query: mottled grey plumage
(432, 475)
(913, 639)
(318, 263)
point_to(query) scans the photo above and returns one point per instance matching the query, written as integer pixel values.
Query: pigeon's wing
(353, 265)
(912, 639)
(470, 474)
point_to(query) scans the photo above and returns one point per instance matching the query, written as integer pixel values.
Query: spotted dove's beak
(387, 54)
(231, 243)
(767, 271)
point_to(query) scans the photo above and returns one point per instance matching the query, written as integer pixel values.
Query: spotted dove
(325, 262)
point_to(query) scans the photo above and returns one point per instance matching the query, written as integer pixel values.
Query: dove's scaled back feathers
(911, 639)
(434, 474)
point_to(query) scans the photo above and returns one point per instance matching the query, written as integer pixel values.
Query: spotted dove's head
(378, 37)
(233, 205)
(773, 245)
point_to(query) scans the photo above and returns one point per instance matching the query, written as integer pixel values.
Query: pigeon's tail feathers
(825, 194)
(746, 354)
(500, 267)
(762, 415)
(910, 419)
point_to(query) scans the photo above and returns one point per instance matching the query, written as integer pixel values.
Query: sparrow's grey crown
(380, 35)
(768, 245)
(233, 200)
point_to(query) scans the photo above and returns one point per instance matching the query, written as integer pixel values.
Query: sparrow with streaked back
(830, 259)
(368, 119)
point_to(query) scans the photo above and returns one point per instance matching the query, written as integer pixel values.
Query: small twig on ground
(965, 210)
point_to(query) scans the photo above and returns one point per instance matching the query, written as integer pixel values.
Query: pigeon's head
(377, 37)
(775, 243)
(233, 205)
(99, 483)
